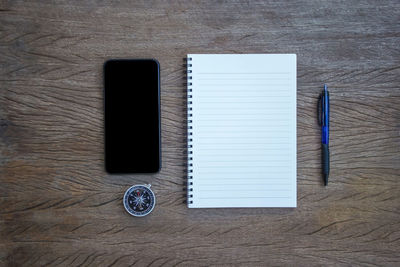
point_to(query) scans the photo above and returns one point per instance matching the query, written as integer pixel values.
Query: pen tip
(325, 87)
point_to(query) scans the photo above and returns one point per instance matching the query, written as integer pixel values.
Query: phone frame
(159, 113)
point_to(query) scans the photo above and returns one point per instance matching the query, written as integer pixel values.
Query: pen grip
(325, 159)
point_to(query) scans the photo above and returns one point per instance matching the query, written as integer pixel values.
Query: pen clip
(319, 109)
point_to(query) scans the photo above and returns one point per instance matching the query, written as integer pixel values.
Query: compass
(139, 200)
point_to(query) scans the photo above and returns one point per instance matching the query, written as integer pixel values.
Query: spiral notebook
(241, 130)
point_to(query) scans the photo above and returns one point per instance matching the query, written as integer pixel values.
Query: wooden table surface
(59, 207)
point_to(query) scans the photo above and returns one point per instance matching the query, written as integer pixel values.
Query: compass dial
(139, 200)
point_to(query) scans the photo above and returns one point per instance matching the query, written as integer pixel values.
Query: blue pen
(323, 119)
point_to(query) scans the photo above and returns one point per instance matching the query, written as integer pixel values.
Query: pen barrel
(325, 161)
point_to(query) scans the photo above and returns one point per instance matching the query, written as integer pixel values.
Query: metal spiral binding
(189, 131)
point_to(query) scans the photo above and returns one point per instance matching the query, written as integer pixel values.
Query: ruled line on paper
(246, 84)
(235, 73)
(244, 102)
(213, 184)
(217, 89)
(238, 180)
(254, 190)
(244, 97)
(227, 172)
(254, 143)
(243, 79)
(248, 166)
(239, 132)
(236, 197)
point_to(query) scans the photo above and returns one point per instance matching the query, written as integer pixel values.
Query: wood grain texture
(59, 207)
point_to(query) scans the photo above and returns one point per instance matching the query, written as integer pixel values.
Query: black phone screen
(132, 116)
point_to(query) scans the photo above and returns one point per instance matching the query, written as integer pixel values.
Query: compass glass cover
(139, 200)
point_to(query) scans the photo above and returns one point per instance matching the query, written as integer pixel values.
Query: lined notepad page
(243, 130)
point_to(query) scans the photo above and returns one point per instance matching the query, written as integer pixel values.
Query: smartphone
(132, 116)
